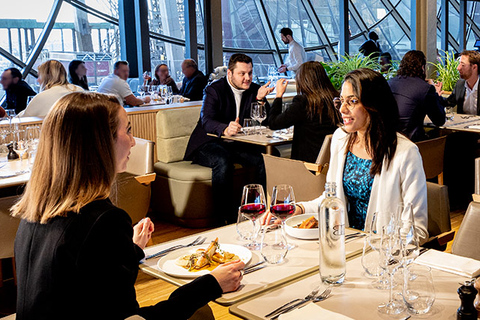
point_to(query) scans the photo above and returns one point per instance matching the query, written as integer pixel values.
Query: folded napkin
(451, 263)
(284, 136)
(474, 126)
(312, 312)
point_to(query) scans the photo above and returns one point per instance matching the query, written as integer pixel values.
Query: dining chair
(467, 240)
(307, 179)
(10, 317)
(439, 227)
(432, 152)
(9, 226)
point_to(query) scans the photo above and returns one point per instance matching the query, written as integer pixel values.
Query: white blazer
(403, 181)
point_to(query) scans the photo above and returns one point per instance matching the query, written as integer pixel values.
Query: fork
(324, 295)
(310, 296)
(198, 241)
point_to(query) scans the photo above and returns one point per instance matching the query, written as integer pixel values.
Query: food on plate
(310, 223)
(206, 259)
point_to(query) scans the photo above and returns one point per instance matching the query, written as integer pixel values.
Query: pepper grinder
(12, 155)
(477, 300)
(467, 294)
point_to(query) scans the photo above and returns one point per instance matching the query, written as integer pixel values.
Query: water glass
(248, 125)
(274, 244)
(449, 113)
(418, 290)
(245, 227)
(371, 258)
(408, 233)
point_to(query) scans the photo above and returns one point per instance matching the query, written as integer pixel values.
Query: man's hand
(264, 90)
(282, 69)
(146, 99)
(233, 128)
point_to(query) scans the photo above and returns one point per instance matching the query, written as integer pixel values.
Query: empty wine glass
(371, 251)
(246, 229)
(259, 113)
(408, 234)
(274, 244)
(283, 205)
(20, 145)
(32, 136)
(252, 206)
(141, 90)
(391, 255)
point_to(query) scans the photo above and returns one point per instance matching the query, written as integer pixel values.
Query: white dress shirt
(296, 56)
(470, 103)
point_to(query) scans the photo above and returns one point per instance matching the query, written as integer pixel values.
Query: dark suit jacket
(218, 110)
(458, 97)
(308, 134)
(84, 266)
(192, 88)
(17, 95)
(415, 99)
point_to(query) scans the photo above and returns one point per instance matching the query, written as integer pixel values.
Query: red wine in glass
(252, 210)
(282, 211)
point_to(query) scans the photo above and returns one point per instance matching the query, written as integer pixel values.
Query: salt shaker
(467, 294)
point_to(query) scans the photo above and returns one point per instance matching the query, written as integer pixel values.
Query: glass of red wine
(253, 205)
(283, 204)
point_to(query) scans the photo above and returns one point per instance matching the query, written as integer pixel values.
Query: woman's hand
(266, 219)
(229, 275)
(281, 87)
(142, 232)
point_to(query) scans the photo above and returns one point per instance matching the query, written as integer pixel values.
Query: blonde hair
(52, 73)
(75, 162)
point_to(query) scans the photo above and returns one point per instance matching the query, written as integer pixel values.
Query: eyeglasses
(350, 101)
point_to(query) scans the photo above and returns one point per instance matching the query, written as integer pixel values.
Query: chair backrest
(477, 176)
(467, 240)
(174, 127)
(9, 226)
(324, 154)
(432, 152)
(306, 185)
(141, 157)
(438, 209)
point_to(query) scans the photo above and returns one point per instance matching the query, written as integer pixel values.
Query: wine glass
(391, 255)
(254, 114)
(259, 113)
(253, 206)
(20, 145)
(141, 90)
(10, 114)
(283, 204)
(246, 229)
(408, 234)
(418, 289)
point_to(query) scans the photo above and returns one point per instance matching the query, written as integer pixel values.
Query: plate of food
(197, 261)
(304, 226)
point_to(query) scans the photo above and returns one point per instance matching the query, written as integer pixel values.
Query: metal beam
(42, 38)
(319, 28)
(191, 48)
(344, 27)
(213, 34)
(270, 33)
(462, 43)
(444, 26)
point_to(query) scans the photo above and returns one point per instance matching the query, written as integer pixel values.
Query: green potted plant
(447, 72)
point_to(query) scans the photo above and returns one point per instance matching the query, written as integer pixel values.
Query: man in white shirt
(465, 93)
(296, 53)
(116, 84)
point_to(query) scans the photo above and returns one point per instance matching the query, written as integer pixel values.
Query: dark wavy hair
(373, 91)
(413, 65)
(73, 77)
(313, 82)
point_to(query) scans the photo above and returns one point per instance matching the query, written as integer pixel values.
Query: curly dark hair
(413, 65)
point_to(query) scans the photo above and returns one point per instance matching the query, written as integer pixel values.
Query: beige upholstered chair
(432, 152)
(8, 227)
(308, 180)
(439, 227)
(467, 241)
(182, 190)
(10, 317)
(477, 176)
(131, 190)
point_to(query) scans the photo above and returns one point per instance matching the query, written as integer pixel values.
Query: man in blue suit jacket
(227, 102)
(415, 97)
(194, 81)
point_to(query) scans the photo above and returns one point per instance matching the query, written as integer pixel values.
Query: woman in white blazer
(374, 167)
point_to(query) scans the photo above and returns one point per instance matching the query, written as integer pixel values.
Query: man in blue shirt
(194, 81)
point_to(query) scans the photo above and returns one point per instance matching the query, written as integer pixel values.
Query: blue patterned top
(357, 185)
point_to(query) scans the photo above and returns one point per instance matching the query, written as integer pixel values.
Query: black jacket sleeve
(434, 108)
(293, 115)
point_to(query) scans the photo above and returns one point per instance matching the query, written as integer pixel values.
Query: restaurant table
(14, 173)
(460, 122)
(300, 261)
(269, 140)
(356, 298)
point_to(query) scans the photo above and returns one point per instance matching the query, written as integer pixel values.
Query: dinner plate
(168, 263)
(306, 234)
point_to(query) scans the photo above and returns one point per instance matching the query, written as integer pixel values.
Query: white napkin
(451, 263)
(312, 312)
(474, 126)
(284, 136)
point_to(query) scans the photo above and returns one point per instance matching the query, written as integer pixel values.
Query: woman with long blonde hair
(311, 112)
(53, 81)
(76, 253)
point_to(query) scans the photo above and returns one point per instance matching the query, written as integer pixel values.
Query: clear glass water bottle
(331, 225)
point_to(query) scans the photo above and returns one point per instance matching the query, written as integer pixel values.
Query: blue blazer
(192, 88)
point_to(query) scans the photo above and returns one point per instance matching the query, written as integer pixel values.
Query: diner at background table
(374, 167)
(69, 226)
(311, 112)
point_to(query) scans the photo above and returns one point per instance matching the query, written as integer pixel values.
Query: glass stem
(391, 288)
